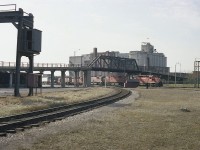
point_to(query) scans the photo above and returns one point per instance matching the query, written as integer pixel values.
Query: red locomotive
(149, 79)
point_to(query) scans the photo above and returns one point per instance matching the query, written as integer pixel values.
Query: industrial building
(148, 59)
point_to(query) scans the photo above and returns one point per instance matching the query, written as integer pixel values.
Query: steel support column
(17, 75)
(31, 63)
(18, 55)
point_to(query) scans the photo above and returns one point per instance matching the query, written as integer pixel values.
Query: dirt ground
(150, 119)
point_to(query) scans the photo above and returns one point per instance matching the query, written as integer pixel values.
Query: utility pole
(196, 71)
(175, 72)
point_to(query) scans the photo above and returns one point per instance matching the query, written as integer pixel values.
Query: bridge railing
(45, 65)
(7, 64)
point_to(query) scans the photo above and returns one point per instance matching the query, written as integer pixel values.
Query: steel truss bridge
(114, 64)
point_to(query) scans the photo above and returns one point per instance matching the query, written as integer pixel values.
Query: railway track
(12, 124)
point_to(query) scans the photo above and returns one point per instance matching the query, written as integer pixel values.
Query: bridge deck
(10, 66)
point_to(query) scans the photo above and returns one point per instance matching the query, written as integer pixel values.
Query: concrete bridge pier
(41, 72)
(76, 79)
(11, 80)
(86, 78)
(52, 79)
(63, 78)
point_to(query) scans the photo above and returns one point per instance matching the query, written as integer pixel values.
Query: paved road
(10, 91)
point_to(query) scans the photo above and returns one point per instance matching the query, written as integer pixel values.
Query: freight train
(152, 80)
(120, 80)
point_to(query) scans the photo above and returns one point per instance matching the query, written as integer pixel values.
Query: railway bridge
(101, 63)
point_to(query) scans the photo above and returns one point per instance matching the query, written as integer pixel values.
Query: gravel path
(25, 139)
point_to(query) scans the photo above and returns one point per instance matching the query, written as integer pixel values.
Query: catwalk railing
(26, 64)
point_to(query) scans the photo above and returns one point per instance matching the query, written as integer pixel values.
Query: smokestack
(95, 52)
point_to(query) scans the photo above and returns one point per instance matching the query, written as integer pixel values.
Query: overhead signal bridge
(28, 39)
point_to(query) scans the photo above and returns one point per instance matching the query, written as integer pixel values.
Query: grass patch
(183, 85)
(14, 105)
(154, 121)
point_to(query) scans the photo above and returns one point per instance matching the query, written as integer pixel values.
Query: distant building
(148, 59)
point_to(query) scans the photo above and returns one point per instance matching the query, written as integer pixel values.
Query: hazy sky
(172, 26)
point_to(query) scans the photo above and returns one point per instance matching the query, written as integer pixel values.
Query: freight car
(97, 80)
(68, 80)
(131, 83)
(79, 81)
(116, 80)
(110, 80)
